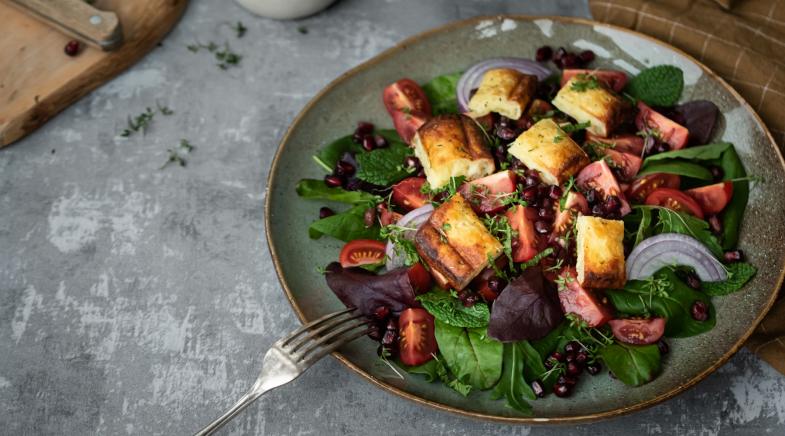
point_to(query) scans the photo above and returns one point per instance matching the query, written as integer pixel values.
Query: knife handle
(78, 19)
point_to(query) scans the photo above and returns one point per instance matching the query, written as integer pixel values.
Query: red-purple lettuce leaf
(699, 117)
(528, 308)
(359, 288)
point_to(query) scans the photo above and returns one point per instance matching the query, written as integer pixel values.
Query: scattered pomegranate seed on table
(72, 48)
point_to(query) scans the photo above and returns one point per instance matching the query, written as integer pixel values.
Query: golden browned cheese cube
(584, 98)
(504, 91)
(545, 147)
(600, 252)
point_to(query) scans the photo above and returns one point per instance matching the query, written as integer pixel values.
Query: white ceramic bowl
(284, 9)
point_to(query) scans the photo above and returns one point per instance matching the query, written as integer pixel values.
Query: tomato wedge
(626, 165)
(669, 131)
(582, 302)
(638, 331)
(386, 216)
(408, 193)
(575, 203)
(676, 200)
(408, 106)
(362, 252)
(417, 343)
(538, 107)
(632, 144)
(613, 79)
(643, 186)
(526, 245)
(597, 175)
(713, 198)
(485, 194)
(420, 278)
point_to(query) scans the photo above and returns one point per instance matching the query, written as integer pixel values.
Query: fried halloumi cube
(600, 252)
(545, 147)
(584, 98)
(452, 146)
(504, 91)
(455, 244)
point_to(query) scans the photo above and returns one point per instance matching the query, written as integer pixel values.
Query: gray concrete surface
(135, 300)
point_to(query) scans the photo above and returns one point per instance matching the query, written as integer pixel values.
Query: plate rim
(582, 418)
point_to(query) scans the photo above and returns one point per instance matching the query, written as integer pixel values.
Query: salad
(519, 228)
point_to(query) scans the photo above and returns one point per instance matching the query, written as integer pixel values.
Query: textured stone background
(138, 300)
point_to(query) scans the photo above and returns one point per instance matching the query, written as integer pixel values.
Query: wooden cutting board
(37, 78)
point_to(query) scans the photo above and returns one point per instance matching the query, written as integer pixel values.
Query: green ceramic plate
(356, 96)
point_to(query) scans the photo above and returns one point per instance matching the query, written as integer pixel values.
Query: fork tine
(315, 334)
(327, 339)
(315, 323)
(310, 360)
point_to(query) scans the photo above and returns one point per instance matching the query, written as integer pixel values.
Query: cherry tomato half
(417, 342)
(362, 252)
(485, 194)
(638, 331)
(420, 278)
(643, 186)
(669, 131)
(408, 193)
(582, 302)
(526, 246)
(408, 105)
(575, 202)
(713, 198)
(676, 200)
(626, 165)
(613, 79)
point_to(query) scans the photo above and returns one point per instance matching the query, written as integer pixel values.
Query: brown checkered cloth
(744, 42)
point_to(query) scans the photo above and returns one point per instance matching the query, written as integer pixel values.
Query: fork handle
(238, 407)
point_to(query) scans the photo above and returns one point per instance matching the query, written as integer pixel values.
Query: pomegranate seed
(364, 128)
(538, 388)
(699, 311)
(375, 333)
(560, 53)
(593, 368)
(574, 369)
(380, 141)
(572, 347)
(505, 133)
(344, 168)
(411, 162)
(545, 213)
(555, 192)
(529, 194)
(325, 212)
(561, 390)
(716, 172)
(72, 48)
(663, 347)
(581, 357)
(715, 224)
(334, 181)
(586, 56)
(389, 338)
(557, 356)
(369, 217)
(597, 210)
(496, 284)
(368, 143)
(500, 152)
(733, 256)
(569, 357)
(517, 165)
(567, 380)
(381, 313)
(546, 202)
(692, 280)
(661, 147)
(542, 227)
(544, 53)
(570, 60)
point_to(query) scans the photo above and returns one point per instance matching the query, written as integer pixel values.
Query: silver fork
(289, 357)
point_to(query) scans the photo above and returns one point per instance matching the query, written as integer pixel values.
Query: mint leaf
(312, 189)
(441, 93)
(383, 166)
(328, 156)
(657, 86)
(346, 226)
(450, 310)
(738, 275)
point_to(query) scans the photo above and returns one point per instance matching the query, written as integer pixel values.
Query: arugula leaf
(731, 216)
(470, 354)
(660, 85)
(434, 370)
(512, 385)
(670, 221)
(533, 367)
(738, 275)
(548, 344)
(450, 310)
(633, 365)
(346, 226)
(702, 152)
(329, 155)
(665, 295)
(383, 166)
(677, 166)
(312, 189)
(441, 93)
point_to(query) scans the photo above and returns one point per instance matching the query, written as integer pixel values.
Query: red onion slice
(413, 219)
(669, 249)
(471, 78)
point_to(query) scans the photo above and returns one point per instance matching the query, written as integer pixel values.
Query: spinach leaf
(329, 155)
(450, 310)
(702, 152)
(633, 365)
(474, 358)
(738, 275)
(434, 370)
(677, 166)
(345, 226)
(312, 189)
(383, 166)
(441, 93)
(512, 384)
(665, 295)
(660, 85)
(549, 343)
(533, 367)
(671, 221)
(731, 217)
